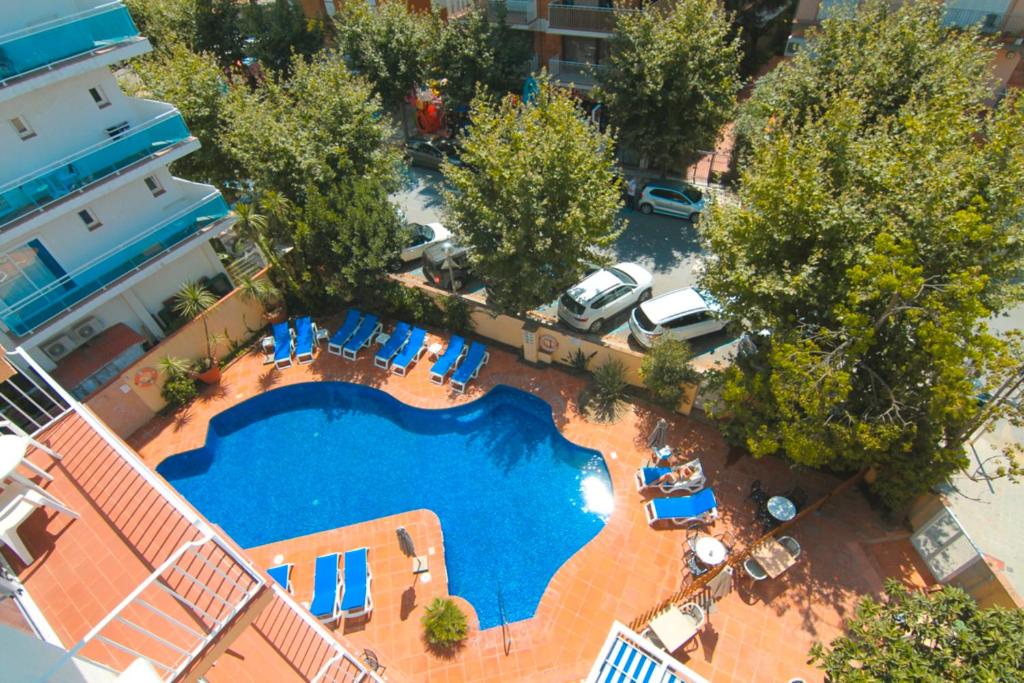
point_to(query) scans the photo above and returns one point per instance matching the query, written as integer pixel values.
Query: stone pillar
(530, 341)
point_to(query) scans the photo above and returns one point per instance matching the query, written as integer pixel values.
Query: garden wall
(133, 398)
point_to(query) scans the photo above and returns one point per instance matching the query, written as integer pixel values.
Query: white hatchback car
(682, 314)
(603, 294)
(423, 235)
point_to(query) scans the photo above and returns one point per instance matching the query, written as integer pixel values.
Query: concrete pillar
(144, 315)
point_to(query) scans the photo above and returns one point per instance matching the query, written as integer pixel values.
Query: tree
(198, 88)
(755, 20)
(872, 241)
(390, 45)
(913, 637)
(165, 22)
(536, 198)
(477, 53)
(218, 30)
(671, 81)
(192, 301)
(312, 130)
(280, 30)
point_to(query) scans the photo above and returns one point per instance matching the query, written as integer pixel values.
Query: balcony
(44, 303)
(46, 45)
(987, 22)
(580, 74)
(518, 12)
(586, 18)
(37, 190)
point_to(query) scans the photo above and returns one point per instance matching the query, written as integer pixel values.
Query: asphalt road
(665, 246)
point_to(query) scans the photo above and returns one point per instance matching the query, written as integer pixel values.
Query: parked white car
(603, 294)
(681, 314)
(423, 235)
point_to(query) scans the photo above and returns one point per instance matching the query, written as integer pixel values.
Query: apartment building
(1002, 19)
(96, 234)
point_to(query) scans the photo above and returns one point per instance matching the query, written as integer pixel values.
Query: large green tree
(280, 30)
(218, 30)
(316, 128)
(165, 22)
(671, 81)
(477, 53)
(926, 639)
(536, 198)
(390, 45)
(873, 238)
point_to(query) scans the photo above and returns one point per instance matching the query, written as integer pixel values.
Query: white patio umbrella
(659, 436)
(405, 542)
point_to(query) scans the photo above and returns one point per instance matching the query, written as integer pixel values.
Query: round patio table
(710, 551)
(781, 508)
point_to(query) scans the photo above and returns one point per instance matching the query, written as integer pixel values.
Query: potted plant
(268, 295)
(444, 624)
(193, 301)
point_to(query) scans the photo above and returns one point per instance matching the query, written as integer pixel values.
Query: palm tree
(192, 301)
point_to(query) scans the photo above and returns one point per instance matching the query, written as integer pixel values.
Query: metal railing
(76, 172)
(44, 46)
(988, 22)
(580, 74)
(517, 12)
(590, 18)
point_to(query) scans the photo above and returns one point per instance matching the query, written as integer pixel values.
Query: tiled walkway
(629, 567)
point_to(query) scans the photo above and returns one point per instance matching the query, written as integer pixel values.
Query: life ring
(548, 344)
(146, 377)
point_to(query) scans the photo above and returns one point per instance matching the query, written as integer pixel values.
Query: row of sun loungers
(336, 594)
(288, 342)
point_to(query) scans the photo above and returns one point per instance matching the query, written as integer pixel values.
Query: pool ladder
(506, 636)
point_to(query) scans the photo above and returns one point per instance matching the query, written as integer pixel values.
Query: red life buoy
(548, 344)
(146, 377)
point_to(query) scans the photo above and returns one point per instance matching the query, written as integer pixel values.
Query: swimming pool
(514, 497)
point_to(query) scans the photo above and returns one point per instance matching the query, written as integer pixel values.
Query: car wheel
(596, 326)
(646, 209)
(644, 296)
(695, 216)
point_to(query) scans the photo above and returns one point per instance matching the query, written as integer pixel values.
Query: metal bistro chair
(754, 570)
(798, 497)
(370, 657)
(791, 545)
(757, 494)
(697, 569)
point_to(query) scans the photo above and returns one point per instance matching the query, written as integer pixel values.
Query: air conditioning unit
(58, 347)
(87, 329)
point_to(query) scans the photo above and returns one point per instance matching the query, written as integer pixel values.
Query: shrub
(444, 623)
(578, 361)
(457, 315)
(610, 383)
(666, 368)
(179, 390)
(406, 303)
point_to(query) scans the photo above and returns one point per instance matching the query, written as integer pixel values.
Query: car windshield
(572, 305)
(693, 194)
(622, 276)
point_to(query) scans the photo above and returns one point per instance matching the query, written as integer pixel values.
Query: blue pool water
(514, 497)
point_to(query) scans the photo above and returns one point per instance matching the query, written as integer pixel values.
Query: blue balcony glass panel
(32, 309)
(45, 45)
(38, 189)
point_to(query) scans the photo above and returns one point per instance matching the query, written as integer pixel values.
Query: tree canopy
(912, 637)
(875, 235)
(671, 81)
(279, 31)
(536, 197)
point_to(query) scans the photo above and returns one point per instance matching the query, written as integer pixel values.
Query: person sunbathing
(677, 475)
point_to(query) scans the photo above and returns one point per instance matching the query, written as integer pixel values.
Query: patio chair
(326, 602)
(754, 570)
(360, 339)
(798, 497)
(267, 347)
(372, 661)
(648, 477)
(282, 346)
(700, 508)
(337, 341)
(282, 573)
(727, 538)
(451, 356)
(305, 335)
(693, 619)
(757, 494)
(357, 600)
(791, 545)
(469, 368)
(415, 347)
(694, 565)
(17, 505)
(397, 340)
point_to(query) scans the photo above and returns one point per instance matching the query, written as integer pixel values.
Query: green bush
(179, 390)
(578, 361)
(666, 368)
(411, 304)
(610, 383)
(444, 623)
(457, 315)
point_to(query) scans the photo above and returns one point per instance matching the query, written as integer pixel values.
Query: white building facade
(95, 232)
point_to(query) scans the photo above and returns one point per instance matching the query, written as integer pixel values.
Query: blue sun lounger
(447, 361)
(414, 348)
(305, 333)
(282, 573)
(469, 368)
(360, 339)
(335, 343)
(699, 508)
(282, 346)
(399, 336)
(326, 602)
(357, 600)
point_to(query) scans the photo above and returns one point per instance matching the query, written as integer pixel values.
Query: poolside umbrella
(405, 541)
(659, 437)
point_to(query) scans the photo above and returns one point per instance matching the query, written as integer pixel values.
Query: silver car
(422, 236)
(603, 294)
(682, 314)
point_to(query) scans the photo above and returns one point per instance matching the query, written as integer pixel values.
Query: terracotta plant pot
(211, 376)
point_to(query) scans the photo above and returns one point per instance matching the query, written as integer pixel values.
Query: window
(154, 186)
(22, 128)
(690, 319)
(99, 97)
(89, 218)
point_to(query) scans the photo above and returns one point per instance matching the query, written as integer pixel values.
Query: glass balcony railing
(44, 186)
(517, 12)
(46, 44)
(581, 74)
(987, 22)
(592, 18)
(44, 303)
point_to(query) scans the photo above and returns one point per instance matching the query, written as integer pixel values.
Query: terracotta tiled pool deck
(752, 635)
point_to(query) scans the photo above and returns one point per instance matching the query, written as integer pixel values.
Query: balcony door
(27, 270)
